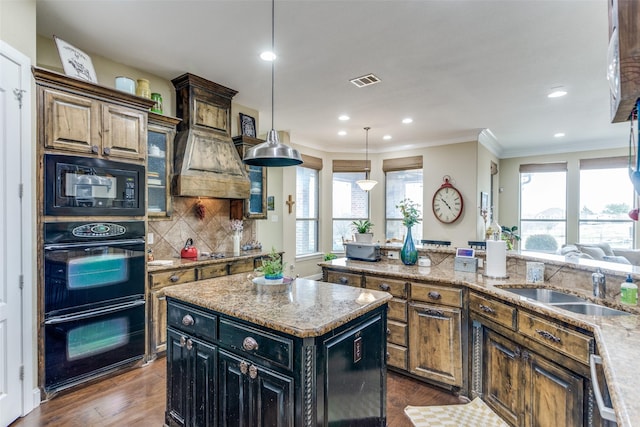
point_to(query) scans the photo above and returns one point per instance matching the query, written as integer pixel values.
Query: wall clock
(447, 202)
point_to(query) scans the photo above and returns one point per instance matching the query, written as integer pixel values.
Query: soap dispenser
(629, 292)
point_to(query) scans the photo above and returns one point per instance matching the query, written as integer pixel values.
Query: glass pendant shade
(366, 184)
(272, 153)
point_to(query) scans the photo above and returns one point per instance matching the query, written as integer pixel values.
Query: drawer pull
(343, 280)
(548, 335)
(94, 149)
(605, 412)
(174, 278)
(106, 151)
(432, 312)
(385, 287)
(434, 295)
(187, 320)
(250, 344)
(244, 367)
(487, 309)
(388, 331)
(183, 341)
(189, 344)
(253, 372)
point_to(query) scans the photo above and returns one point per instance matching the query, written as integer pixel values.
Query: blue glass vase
(409, 253)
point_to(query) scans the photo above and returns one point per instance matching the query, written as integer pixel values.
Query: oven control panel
(99, 229)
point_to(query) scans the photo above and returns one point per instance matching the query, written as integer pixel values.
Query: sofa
(601, 252)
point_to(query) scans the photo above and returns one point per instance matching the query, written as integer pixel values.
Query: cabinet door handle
(183, 341)
(253, 372)
(434, 295)
(385, 287)
(432, 312)
(343, 280)
(250, 344)
(548, 335)
(187, 320)
(189, 344)
(106, 151)
(388, 331)
(487, 309)
(244, 367)
(174, 278)
(94, 149)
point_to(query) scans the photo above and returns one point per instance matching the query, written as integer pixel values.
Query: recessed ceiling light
(386, 137)
(342, 132)
(557, 92)
(268, 56)
(344, 118)
(558, 135)
(407, 120)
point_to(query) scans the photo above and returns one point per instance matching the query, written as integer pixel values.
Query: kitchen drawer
(242, 266)
(173, 277)
(397, 333)
(211, 271)
(436, 294)
(397, 288)
(397, 310)
(397, 356)
(248, 340)
(557, 336)
(192, 321)
(498, 312)
(343, 278)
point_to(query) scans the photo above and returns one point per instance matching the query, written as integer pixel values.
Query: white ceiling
(456, 67)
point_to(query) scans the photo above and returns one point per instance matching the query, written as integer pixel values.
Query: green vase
(409, 253)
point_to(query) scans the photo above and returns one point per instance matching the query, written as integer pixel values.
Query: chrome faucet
(599, 284)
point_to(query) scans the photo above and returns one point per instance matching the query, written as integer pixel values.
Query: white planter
(364, 237)
(237, 236)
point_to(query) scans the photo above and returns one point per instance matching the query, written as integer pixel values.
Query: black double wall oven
(94, 269)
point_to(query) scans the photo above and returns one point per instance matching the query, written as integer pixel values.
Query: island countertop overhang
(306, 308)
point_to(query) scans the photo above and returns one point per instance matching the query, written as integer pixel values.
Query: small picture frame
(247, 125)
(271, 203)
(75, 62)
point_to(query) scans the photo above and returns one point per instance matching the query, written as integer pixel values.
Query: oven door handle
(93, 244)
(89, 314)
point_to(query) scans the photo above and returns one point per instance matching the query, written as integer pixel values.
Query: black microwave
(81, 186)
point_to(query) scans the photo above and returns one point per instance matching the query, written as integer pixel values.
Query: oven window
(99, 270)
(96, 338)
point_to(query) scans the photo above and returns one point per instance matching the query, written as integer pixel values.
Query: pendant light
(366, 184)
(272, 152)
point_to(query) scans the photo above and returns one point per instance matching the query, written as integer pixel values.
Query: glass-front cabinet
(161, 133)
(255, 206)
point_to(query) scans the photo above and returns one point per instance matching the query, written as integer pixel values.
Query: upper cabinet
(84, 118)
(255, 207)
(623, 62)
(162, 131)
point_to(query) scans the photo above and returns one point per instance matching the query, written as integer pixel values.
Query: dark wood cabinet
(255, 207)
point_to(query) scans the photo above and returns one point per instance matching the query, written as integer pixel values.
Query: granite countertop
(617, 337)
(304, 308)
(175, 263)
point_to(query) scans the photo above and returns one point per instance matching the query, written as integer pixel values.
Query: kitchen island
(304, 354)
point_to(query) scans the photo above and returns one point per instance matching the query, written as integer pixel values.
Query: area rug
(473, 414)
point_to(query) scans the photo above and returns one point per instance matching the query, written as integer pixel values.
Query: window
(307, 201)
(543, 206)
(403, 180)
(606, 197)
(350, 203)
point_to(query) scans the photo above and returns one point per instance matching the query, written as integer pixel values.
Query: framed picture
(484, 201)
(247, 125)
(75, 62)
(271, 205)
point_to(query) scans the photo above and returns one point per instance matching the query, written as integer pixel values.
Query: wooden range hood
(206, 161)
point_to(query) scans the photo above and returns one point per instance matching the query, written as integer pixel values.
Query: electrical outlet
(150, 238)
(393, 255)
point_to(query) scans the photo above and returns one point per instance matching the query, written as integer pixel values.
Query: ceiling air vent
(367, 80)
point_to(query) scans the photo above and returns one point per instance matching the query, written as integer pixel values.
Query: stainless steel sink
(547, 296)
(590, 309)
(572, 303)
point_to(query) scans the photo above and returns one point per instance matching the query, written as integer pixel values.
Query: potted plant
(410, 217)
(362, 228)
(272, 267)
(330, 256)
(510, 236)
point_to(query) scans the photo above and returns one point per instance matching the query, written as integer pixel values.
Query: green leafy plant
(510, 236)
(410, 212)
(272, 264)
(362, 226)
(330, 256)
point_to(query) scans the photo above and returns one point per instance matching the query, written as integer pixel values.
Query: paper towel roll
(496, 258)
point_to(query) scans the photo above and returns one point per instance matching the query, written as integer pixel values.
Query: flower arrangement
(410, 212)
(236, 225)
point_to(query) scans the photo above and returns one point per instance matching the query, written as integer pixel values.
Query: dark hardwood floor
(137, 398)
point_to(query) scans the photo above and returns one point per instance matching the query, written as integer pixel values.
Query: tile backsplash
(209, 234)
